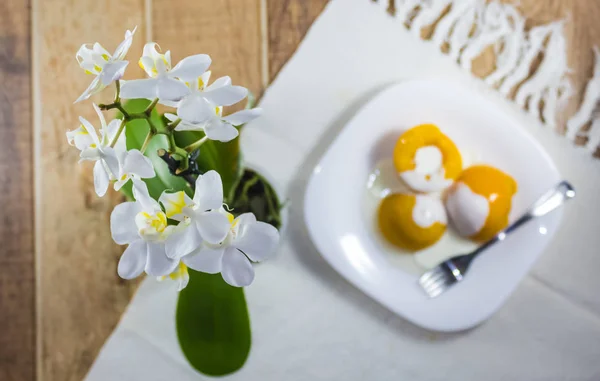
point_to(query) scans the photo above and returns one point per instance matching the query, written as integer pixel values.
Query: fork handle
(551, 200)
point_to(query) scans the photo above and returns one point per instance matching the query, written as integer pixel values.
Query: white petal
(140, 88)
(124, 46)
(90, 154)
(256, 239)
(112, 71)
(171, 117)
(181, 276)
(219, 82)
(138, 164)
(165, 102)
(101, 179)
(185, 126)
(101, 117)
(150, 50)
(205, 259)
(84, 54)
(140, 192)
(226, 95)
(90, 130)
(122, 223)
(158, 264)
(171, 89)
(174, 204)
(191, 67)
(109, 155)
(112, 128)
(213, 226)
(209, 191)
(223, 132)
(168, 58)
(99, 50)
(147, 63)
(194, 109)
(183, 241)
(80, 138)
(133, 260)
(202, 82)
(95, 87)
(183, 281)
(244, 116)
(237, 269)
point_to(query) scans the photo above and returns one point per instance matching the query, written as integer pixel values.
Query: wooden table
(60, 296)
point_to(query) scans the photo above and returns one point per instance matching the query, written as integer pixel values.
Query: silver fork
(452, 271)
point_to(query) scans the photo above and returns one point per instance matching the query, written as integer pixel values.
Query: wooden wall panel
(17, 307)
(289, 21)
(81, 296)
(228, 30)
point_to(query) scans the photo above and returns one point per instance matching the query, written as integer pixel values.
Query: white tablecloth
(310, 324)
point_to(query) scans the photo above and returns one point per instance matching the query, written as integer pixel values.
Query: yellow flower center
(174, 203)
(158, 221)
(180, 272)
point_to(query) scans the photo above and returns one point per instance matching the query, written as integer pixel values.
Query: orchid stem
(150, 107)
(119, 131)
(194, 146)
(147, 141)
(171, 126)
(117, 92)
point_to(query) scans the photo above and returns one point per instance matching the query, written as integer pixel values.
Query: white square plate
(336, 191)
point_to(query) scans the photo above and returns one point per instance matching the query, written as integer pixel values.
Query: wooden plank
(81, 296)
(17, 284)
(228, 30)
(288, 22)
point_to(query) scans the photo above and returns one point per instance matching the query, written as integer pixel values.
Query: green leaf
(254, 194)
(224, 158)
(135, 133)
(213, 326)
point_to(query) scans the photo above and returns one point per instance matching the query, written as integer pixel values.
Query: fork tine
(434, 273)
(432, 293)
(437, 277)
(436, 281)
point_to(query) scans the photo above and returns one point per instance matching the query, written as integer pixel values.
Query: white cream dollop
(468, 211)
(427, 211)
(429, 173)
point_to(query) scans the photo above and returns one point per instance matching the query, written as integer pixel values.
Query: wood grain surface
(80, 297)
(289, 21)
(17, 307)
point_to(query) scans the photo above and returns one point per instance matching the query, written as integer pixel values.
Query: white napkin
(310, 324)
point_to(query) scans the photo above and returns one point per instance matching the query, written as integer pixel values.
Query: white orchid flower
(133, 165)
(143, 226)
(248, 240)
(164, 82)
(181, 276)
(94, 148)
(200, 218)
(214, 124)
(107, 68)
(221, 93)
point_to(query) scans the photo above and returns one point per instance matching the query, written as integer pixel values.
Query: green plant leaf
(213, 326)
(254, 194)
(135, 133)
(224, 158)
